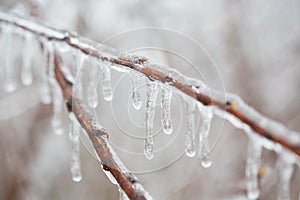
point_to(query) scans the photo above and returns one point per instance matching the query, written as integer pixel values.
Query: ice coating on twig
(136, 95)
(276, 128)
(206, 119)
(190, 107)
(75, 157)
(252, 167)
(152, 92)
(166, 97)
(122, 194)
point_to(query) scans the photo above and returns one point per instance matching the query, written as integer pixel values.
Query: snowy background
(255, 46)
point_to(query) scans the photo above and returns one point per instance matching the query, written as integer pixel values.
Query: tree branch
(99, 138)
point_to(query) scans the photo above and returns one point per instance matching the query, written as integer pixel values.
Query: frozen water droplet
(152, 92)
(136, 95)
(206, 113)
(206, 162)
(106, 84)
(252, 168)
(166, 98)
(190, 128)
(92, 84)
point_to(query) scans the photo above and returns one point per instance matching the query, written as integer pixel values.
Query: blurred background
(253, 51)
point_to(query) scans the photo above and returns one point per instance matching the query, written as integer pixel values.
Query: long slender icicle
(10, 79)
(152, 91)
(190, 128)
(106, 84)
(78, 86)
(206, 113)
(252, 167)
(166, 98)
(286, 169)
(136, 95)
(26, 71)
(44, 89)
(92, 84)
(57, 118)
(75, 157)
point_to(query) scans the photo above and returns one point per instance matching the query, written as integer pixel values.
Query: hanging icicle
(75, 157)
(44, 89)
(10, 78)
(206, 113)
(152, 92)
(166, 97)
(26, 71)
(190, 128)
(286, 169)
(92, 84)
(57, 119)
(106, 83)
(252, 167)
(80, 60)
(136, 95)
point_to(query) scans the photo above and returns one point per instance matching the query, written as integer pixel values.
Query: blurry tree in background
(256, 47)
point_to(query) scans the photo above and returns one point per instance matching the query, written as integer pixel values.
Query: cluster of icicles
(50, 92)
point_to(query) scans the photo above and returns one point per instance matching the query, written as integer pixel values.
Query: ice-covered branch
(231, 107)
(265, 132)
(112, 166)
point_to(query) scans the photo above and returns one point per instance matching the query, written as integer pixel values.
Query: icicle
(44, 86)
(152, 91)
(252, 168)
(78, 85)
(75, 159)
(190, 128)
(26, 73)
(166, 97)
(10, 79)
(286, 170)
(57, 119)
(122, 194)
(206, 113)
(136, 95)
(106, 84)
(92, 85)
